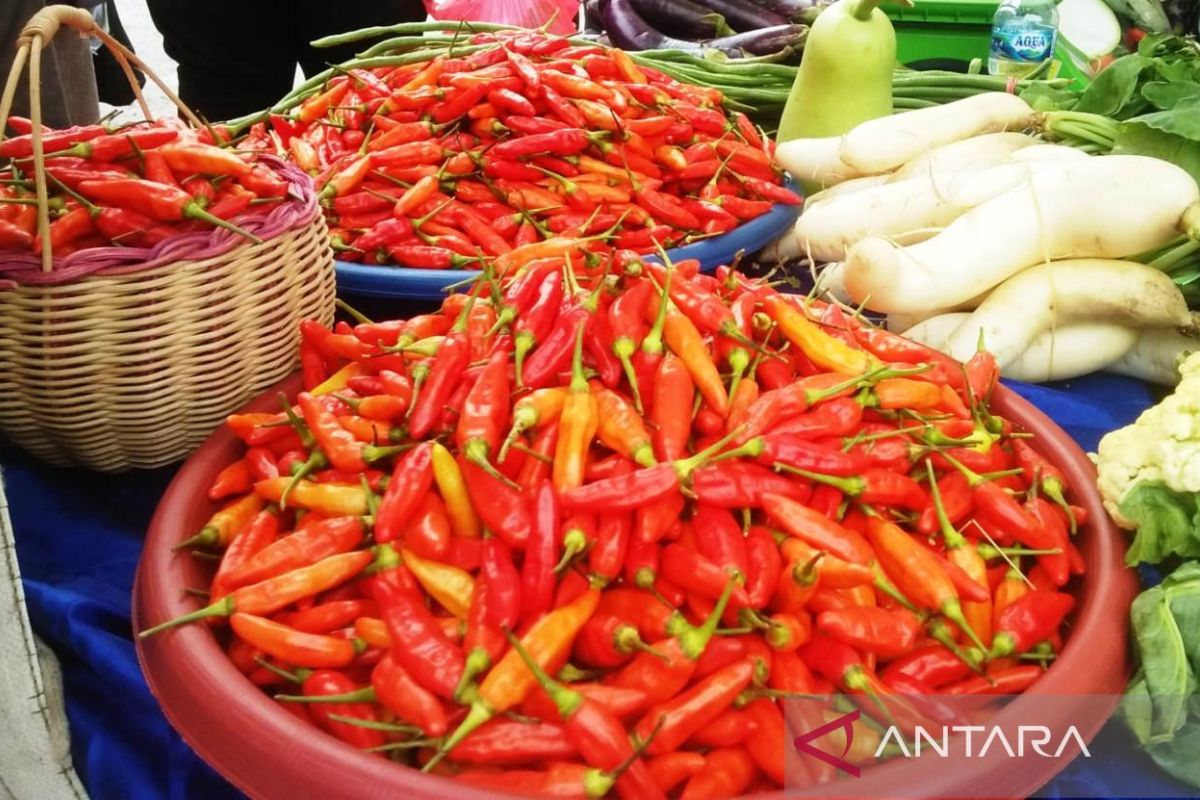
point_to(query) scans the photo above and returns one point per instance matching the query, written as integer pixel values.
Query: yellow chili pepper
(330, 499)
(338, 380)
(453, 489)
(450, 586)
(827, 352)
(226, 523)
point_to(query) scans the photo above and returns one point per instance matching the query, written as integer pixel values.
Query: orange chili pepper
(916, 572)
(684, 340)
(225, 524)
(620, 427)
(548, 643)
(577, 425)
(310, 650)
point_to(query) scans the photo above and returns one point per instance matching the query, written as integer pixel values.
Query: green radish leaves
(1115, 90)
(1138, 138)
(1161, 705)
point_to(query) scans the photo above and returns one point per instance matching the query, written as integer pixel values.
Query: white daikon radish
(828, 229)
(883, 144)
(974, 153)
(830, 283)
(935, 331)
(847, 187)
(815, 161)
(1101, 207)
(785, 248)
(1070, 351)
(1047, 152)
(1050, 296)
(1156, 356)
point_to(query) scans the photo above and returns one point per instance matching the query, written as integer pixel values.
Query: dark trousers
(239, 56)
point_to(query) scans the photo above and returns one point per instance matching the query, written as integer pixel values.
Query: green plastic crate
(935, 31)
(935, 34)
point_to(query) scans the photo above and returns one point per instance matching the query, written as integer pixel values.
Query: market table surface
(79, 536)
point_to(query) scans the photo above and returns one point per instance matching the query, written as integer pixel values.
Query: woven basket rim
(299, 209)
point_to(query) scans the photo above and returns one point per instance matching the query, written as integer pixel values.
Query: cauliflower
(1162, 445)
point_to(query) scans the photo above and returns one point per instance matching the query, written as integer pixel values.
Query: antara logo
(1033, 737)
(965, 741)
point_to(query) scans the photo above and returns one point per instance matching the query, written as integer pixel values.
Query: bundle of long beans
(759, 86)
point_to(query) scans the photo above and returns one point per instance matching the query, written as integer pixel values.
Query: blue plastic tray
(431, 284)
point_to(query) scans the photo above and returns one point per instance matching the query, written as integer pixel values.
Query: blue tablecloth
(79, 536)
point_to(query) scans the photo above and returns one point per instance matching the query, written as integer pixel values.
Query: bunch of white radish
(965, 229)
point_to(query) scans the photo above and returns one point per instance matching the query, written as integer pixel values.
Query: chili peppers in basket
(650, 585)
(133, 186)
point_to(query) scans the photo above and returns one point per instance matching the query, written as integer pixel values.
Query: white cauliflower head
(1162, 445)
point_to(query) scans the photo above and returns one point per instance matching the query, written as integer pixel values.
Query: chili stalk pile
(440, 158)
(589, 526)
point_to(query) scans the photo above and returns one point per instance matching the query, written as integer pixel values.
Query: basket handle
(40, 29)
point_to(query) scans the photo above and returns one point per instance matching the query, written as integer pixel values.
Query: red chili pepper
(1013, 680)
(246, 543)
(1028, 620)
(932, 665)
(817, 530)
(307, 545)
(677, 719)
(653, 520)
(502, 509)
(535, 324)
(742, 484)
(695, 573)
(324, 683)
(886, 633)
(673, 392)
(719, 538)
(553, 355)
(418, 643)
(480, 427)
(764, 567)
(411, 479)
(155, 200)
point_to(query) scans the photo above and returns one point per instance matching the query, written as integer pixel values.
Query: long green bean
(910, 103)
(944, 93)
(406, 28)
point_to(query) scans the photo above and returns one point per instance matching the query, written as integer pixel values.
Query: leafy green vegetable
(1116, 88)
(1136, 138)
(1161, 705)
(1165, 96)
(1168, 523)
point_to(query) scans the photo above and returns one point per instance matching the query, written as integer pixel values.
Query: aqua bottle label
(1023, 40)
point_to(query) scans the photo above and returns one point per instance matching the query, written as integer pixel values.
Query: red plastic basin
(269, 754)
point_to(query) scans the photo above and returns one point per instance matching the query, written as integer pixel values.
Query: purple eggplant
(794, 10)
(762, 42)
(628, 30)
(684, 18)
(745, 15)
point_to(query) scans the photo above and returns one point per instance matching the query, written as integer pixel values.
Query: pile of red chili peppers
(687, 497)
(441, 163)
(132, 186)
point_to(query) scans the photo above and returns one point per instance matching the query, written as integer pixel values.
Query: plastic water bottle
(1023, 36)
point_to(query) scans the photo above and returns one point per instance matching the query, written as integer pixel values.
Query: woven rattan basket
(115, 357)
